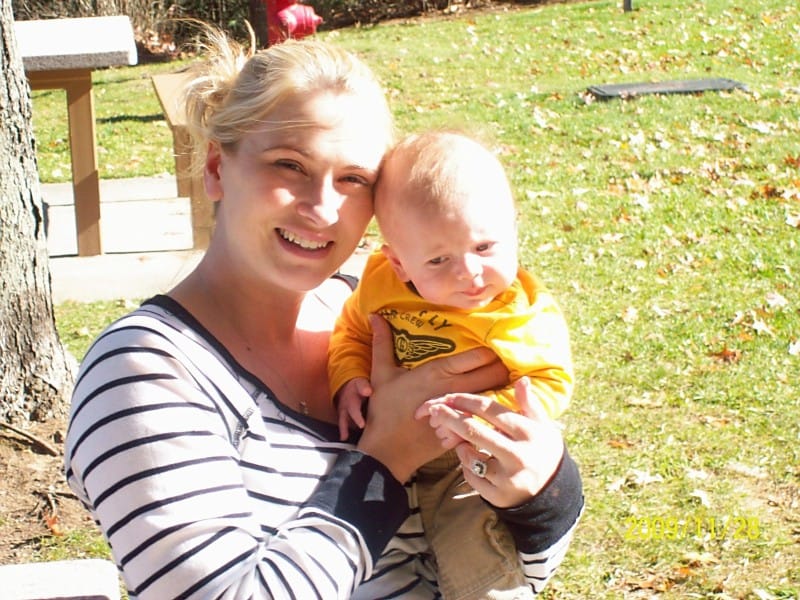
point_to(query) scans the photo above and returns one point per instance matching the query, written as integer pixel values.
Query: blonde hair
(234, 90)
(429, 170)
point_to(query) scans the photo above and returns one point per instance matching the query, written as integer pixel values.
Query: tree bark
(258, 20)
(36, 372)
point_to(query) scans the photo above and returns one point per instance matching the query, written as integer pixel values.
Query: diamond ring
(479, 467)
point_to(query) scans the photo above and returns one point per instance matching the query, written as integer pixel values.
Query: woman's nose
(322, 204)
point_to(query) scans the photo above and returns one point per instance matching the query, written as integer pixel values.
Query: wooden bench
(168, 88)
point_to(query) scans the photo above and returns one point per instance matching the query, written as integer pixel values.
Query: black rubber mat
(680, 86)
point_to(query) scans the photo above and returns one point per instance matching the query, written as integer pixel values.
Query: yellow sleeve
(536, 343)
(350, 349)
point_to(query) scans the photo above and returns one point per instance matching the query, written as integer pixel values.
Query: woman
(202, 438)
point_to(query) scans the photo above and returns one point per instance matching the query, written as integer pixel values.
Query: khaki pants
(475, 553)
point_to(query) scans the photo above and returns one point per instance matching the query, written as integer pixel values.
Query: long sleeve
(543, 527)
(350, 349)
(204, 487)
(533, 340)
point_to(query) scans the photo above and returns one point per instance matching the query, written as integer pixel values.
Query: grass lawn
(668, 226)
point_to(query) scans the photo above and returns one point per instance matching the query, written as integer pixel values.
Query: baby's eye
(484, 247)
(437, 261)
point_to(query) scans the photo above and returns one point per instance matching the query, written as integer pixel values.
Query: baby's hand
(350, 399)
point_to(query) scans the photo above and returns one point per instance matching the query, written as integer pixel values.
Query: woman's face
(295, 201)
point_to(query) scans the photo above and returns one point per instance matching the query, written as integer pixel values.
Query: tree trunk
(36, 373)
(258, 20)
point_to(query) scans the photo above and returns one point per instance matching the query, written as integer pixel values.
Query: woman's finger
(453, 417)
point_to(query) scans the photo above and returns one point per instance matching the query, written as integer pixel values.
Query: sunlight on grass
(80, 543)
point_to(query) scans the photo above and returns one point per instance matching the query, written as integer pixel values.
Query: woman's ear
(395, 262)
(212, 172)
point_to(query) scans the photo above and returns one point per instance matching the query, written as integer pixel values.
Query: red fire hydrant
(288, 19)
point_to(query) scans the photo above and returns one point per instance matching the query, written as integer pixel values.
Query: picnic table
(61, 54)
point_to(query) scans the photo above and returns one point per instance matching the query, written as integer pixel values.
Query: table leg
(85, 177)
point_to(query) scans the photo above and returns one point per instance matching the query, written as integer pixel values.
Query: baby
(446, 280)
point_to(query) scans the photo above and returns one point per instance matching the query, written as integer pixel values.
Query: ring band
(479, 467)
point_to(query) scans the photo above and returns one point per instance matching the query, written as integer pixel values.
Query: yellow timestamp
(673, 527)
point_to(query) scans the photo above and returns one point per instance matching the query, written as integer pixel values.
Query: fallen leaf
(699, 559)
(52, 524)
(644, 401)
(610, 238)
(630, 314)
(727, 355)
(742, 469)
(620, 444)
(761, 327)
(715, 421)
(696, 474)
(792, 161)
(775, 300)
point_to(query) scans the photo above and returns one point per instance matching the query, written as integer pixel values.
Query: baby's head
(446, 212)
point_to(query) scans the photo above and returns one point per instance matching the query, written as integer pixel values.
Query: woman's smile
(304, 243)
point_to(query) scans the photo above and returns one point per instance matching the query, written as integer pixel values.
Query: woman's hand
(520, 454)
(393, 435)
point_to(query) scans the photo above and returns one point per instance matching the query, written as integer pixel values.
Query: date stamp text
(674, 527)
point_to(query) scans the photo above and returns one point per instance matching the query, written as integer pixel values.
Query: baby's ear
(395, 262)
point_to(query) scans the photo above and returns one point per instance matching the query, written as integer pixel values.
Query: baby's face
(462, 259)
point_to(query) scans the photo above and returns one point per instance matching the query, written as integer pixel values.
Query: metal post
(627, 5)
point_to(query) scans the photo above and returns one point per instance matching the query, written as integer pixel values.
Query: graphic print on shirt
(410, 348)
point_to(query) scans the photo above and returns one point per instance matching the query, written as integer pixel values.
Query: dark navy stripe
(273, 471)
(392, 567)
(161, 534)
(324, 534)
(327, 574)
(86, 368)
(101, 497)
(181, 558)
(284, 584)
(140, 442)
(128, 412)
(213, 575)
(302, 572)
(152, 505)
(537, 561)
(406, 588)
(119, 382)
(274, 499)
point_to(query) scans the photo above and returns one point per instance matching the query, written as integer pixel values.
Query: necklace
(271, 371)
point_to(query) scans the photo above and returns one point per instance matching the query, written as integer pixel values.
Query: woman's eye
(357, 179)
(288, 164)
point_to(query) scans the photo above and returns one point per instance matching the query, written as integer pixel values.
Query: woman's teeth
(303, 243)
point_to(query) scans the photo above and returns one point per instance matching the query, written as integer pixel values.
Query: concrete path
(147, 240)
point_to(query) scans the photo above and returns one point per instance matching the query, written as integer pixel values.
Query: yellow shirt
(523, 325)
